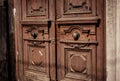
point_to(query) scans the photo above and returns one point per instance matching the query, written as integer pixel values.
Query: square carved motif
(36, 7)
(78, 6)
(78, 62)
(37, 58)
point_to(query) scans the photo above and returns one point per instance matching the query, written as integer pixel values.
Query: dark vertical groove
(7, 40)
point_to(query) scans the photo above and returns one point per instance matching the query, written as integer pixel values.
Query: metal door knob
(34, 35)
(76, 35)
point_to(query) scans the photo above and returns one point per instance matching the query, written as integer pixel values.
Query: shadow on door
(7, 53)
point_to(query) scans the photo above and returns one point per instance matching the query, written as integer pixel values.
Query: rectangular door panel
(76, 56)
(36, 31)
(86, 33)
(36, 61)
(36, 52)
(35, 10)
(74, 9)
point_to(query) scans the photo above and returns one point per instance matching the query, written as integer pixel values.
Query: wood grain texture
(59, 40)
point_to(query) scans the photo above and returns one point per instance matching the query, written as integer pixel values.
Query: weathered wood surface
(76, 48)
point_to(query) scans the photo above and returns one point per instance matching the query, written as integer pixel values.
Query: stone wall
(118, 42)
(113, 40)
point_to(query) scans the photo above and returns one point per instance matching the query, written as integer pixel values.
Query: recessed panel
(78, 32)
(78, 63)
(74, 9)
(37, 58)
(36, 61)
(35, 9)
(38, 32)
(78, 6)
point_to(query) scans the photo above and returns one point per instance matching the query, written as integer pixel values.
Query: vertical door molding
(18, 46)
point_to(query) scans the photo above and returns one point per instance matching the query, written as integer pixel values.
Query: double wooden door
(61, 40)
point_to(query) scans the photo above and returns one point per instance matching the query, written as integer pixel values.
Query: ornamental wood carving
(77, 57)
(33, 9)
(36, 60)
(36, 7)
(41, 32)
(36, 52)
(78, 6)
(75, 8)
(61, 40)
(77, 63)
(87, 33)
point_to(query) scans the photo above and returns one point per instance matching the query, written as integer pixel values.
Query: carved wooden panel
(86, 32)
(76, 8)
(36, 61)
(36, 7)
(77, 63)
(36, 52)
(32, 9)
(77, 57)
(37, 32)
(62, 40)
(37, 58)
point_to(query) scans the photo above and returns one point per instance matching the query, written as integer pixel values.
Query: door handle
(76, 35)
(34, 34)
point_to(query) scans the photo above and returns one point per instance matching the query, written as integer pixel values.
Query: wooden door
(79, 25)
(60, 40)
(35, 30)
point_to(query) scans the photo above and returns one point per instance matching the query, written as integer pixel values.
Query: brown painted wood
(59, 40)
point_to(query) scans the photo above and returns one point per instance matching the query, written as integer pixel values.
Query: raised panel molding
(79, 63)
(78, 57)
(37, 56)
(36, 60)
(77, 6)
(41, 31)
(86, 33)
(36, 7)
